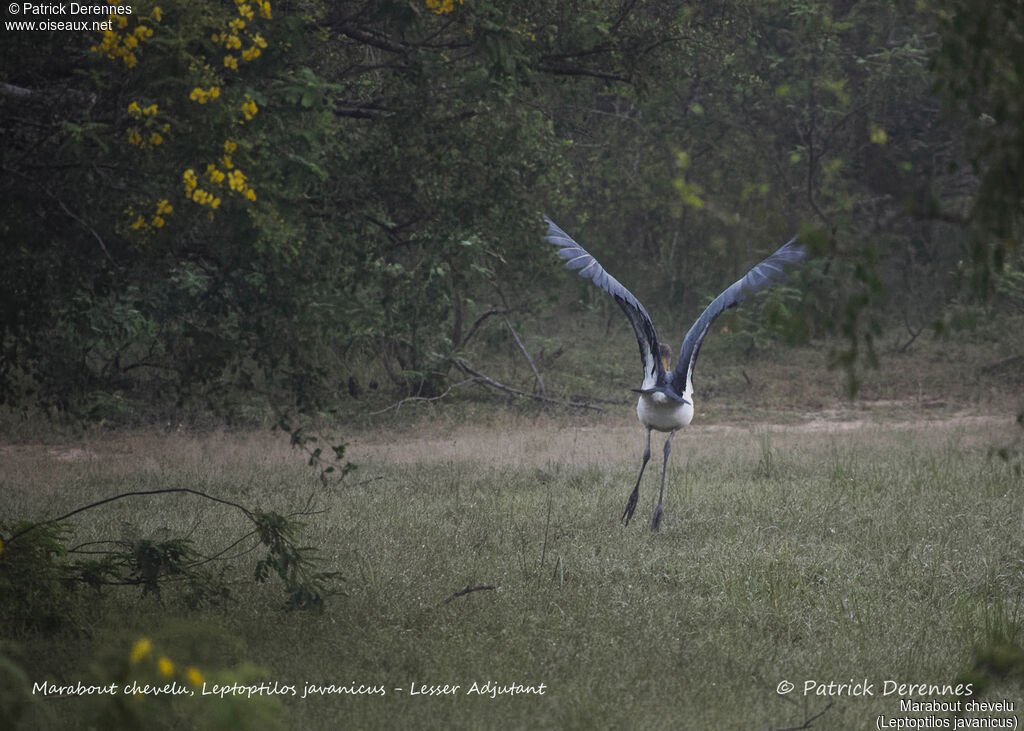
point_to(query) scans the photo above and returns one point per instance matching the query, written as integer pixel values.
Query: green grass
(879, 551)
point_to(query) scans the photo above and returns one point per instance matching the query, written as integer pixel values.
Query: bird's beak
(664, 363)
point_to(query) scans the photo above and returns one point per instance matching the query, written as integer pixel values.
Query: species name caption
(487, 689)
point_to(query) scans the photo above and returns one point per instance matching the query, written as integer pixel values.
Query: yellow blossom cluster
(217, 176)
(231, 38)
(138, 112)
(120, 43)
(153, 139)
(204, 95)
(142, 650)
(237, 182)
(236, 179)
(249, 108)
(245, 8)
(197, 194)
(163, 208)
(253, 52)
(152, 134)
(442, 7)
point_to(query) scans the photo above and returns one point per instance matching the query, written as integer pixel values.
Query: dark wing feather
(765, 274)
(576, 257)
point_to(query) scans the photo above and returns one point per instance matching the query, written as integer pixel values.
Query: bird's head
(665, 352)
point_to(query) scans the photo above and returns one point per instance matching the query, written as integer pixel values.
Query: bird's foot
(627, 514)
(656, 520)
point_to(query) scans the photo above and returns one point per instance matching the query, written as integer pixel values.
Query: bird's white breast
(660, 412)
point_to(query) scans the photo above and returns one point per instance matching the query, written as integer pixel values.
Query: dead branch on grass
(134, 493)
(469, 590)
(808, 722)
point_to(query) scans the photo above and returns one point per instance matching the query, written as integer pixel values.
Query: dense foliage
(213, 202)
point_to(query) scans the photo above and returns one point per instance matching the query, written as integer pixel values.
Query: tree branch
(134, 493)
(522, 348)
(488, 381)
(469, 590)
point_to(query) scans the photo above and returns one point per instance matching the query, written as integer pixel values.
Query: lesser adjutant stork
(666, 396)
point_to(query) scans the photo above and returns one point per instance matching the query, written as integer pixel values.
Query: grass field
(831, 550)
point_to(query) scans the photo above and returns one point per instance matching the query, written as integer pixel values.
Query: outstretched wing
(765, 274)
(576, 257)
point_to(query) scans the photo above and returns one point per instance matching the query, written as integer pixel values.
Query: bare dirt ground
(612, 438)
(512, 441)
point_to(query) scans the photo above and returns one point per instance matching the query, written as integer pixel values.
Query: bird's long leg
(627, 514)
(656, 520)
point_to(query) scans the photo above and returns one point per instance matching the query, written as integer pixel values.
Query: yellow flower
(250, 194)
(165, 666)
(134, 138)
(135, 110)
(236, 24)
(442, 6)
(194, 676)
(143, 32)
(214, 174)
(236, 180)
(142, 647)
(232, 42)
(203, 96)
(130, 42)
(121, 21)
(155, 139)
(158, 14)
(229, 147)
(164, 207)
(226, 162)
(258, 41)
(214, 203)
(150, 110)
(265, 9)
(249, 108)
(231, 62)
(245, 10)
(250, 54)
(158, 222)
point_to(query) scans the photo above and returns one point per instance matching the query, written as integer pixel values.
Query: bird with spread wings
(666, 395)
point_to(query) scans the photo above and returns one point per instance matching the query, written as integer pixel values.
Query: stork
(666, 396)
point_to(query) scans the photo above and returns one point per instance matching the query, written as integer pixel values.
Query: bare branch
(478, 322)
(399, 404)
(134, 493)
(488, 381)
(536, 374)
(469, 590)
(808, 722)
